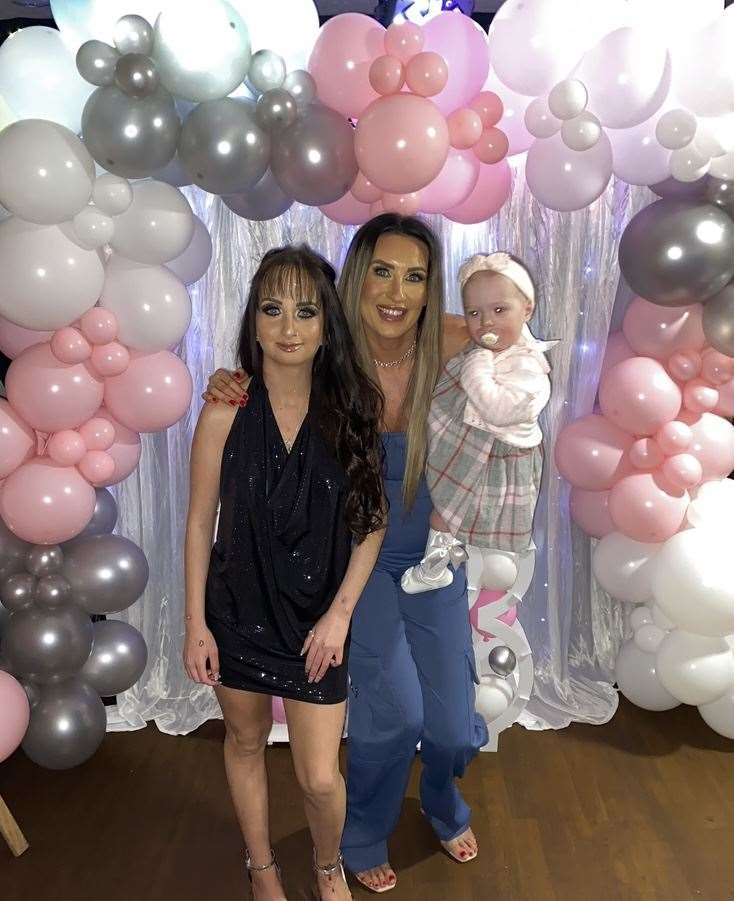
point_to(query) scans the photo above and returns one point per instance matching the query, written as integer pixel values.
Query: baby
(484, 454)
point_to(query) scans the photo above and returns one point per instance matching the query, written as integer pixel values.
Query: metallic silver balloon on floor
(118, 658)
(107, 573)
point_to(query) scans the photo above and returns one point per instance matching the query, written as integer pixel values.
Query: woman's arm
(227, 386)
(455, 336)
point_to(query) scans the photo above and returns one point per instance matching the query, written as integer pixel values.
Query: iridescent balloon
(52, 591)
(133, 34)
(44, 560)
(222, 146)
(17, 591)
(302, 87)
(718, 321)
(96, 62)
(104, 518)
(266, 72)
(276, 110)
(68, 723)
(118, 658)
(265, 200)
(136, 75)
(502, 660)
(107, 573)
(127, 136)
(48, 645)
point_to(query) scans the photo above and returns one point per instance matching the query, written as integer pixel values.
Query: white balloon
(715, 136)
(499, 570)
(661, 620)
(151, 304)
(158, 225)
(93, 228)
(581, 133)
(112, 194)
(288, 27)
(624, 567)
(638, 157)
(648, 638)
(719, 714)
(81, 20)
(39, 80)
(694, 668)
(688, 164)
(494, 696)
(704, 77)
(712, 506)
(512, 122)
(48, 281)
(539, 120)
(640, 616)
(46, 173)
(693, 581)
(193, 263)
(568, 98)
(564, 179)
(637, 679)
(673, 20)
(723, 167)
(676, 129)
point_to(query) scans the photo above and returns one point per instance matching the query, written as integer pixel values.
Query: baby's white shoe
(433, 570)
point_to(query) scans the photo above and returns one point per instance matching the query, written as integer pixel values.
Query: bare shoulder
(215, 422)
(455, 335)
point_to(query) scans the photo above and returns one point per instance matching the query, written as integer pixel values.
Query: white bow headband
(502, 264)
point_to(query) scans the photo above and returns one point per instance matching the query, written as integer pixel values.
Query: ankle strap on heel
(332, 869)
(259, 869)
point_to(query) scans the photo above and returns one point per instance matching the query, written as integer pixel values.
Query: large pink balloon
(347, 210)
(591, 453)
(617, 349)
(639, 396)
(712, 443)
(17, 440)
(453, 184)
(660, 332)
(14, 339)
(564, 179)
(51, 395)
(401, 143)
(489, 195)
(125, 450)
(15, 713)
(463, 44)
(590, 511)
(341, 59)
(646, 507)
(45, 503)
(153, 392)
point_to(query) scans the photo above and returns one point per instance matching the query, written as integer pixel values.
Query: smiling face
(394, 292)
(289, 321)
(494, 305)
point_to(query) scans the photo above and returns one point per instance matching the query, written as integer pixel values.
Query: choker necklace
(390, 363)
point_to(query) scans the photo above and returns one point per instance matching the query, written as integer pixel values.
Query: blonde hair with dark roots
(427, 365)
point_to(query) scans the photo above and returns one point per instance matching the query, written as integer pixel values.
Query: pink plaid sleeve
(503, 398)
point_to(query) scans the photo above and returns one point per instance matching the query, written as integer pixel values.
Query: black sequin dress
(281, 553)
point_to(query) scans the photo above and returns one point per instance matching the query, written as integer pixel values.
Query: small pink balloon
(725, 407)
(463, 44)
(698, 397)
(347, 210)
(465, 128)
(45, 503)
(488, 106)
(99, 326)
(125, 451)
(110, 359)
(403, 40)
(453, 184)
(674, 437)
(617, 349)
(590, 511)
(683, 470)
(426, 74)
(659, 332)
(489, 195)
(645, 453)
(405, 204)
(717, 368)
(153, 392)
(364, 191)
(67, 448)
(712, 443)
(387, 75)
(70, 346)
(639, 396)
(492, 146)
(278, 710)
(98, 434)
(591, 453)
(14, 339)
(17, 440)
(15, 714)
(685, 365)
(97, 467)
(646, 507)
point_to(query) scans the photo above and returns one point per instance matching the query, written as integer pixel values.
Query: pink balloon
(485, 598)
(97, 467)
(99, 326)
(646, 507)
(565, 180)
(646, 453)
(683, 470)
(401, 143)
(125, 451)
(674, 437)
(590, 511)
(698, 397)
(453, 184)
(98, 434)
(426, 74)
(489, 195)
(51, 395)
(364, 191)
(492, 146)
(70, 346)
(341, 59)
(725, 407)
(465, 128)
(45, 503)
(278, 710)
(488, 107)
(712, 443)
(655, 331)
(153, 392)
(716, 368)
(617, 349)
(17, 440)
(463, 44)
(513, 117)
(684, 365)
(405, 204)
(403, 40)
(110, 359)
(387, 75)
(15, 714)
(14, 339)
(67, 448)
(639, 396)
(591, 453)
(347, 210)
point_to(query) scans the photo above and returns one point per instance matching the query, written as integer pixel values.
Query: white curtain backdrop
(573, 628)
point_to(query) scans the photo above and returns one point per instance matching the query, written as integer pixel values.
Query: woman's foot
(378, 879)
(331, 883)
(463, 848)
(265, 881)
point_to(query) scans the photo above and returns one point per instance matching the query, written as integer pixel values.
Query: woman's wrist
(194, 620)
(343, 607)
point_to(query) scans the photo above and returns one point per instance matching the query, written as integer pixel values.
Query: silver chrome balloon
(104, 518)
(133, 34)
(276, 110)
(52, 591)
(718, 321)
(264, 200)
(96, 62)
(44, 560)
(13, 551)
(48, 645)
(17, 591)
(136, 75)
(301, 86)
(118, 658)
(502, 660)
(266, 72)
(107, 573)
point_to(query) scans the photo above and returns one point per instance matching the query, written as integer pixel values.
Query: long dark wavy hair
(347, 403)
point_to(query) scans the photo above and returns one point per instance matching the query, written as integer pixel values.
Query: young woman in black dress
(296, 470)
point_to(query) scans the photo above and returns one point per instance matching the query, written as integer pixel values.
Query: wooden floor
(642, 808)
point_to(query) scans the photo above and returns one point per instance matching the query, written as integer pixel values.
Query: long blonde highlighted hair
(429, 341)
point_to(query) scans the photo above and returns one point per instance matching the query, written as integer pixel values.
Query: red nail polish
(238, 376)
(233, 403)
(392, 879)
(462, 854)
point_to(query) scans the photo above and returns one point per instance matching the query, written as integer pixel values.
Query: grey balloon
(130, 137)
(4, 618)
(107, 573)
(68, 723)
(17, 591)
(48, 645)
(721, 193)
(173, 173)
(118, 658)
(136, 75)
(222, 146)
(13, 552)
(718, 321)
(104, 518)
(276, 110)
(44, 560)
(678, 252)
(502, 660)
(96, 62)
(33, 692)
(133, 34)
(52, 591)
(265, 200)
(266, 72)
(302, 87)
(681, 190)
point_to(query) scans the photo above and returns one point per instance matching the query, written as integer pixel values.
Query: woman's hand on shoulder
(455, 335)
(227, 386)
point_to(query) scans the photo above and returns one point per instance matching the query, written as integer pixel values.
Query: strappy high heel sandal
(330, 870)
(251, 868)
